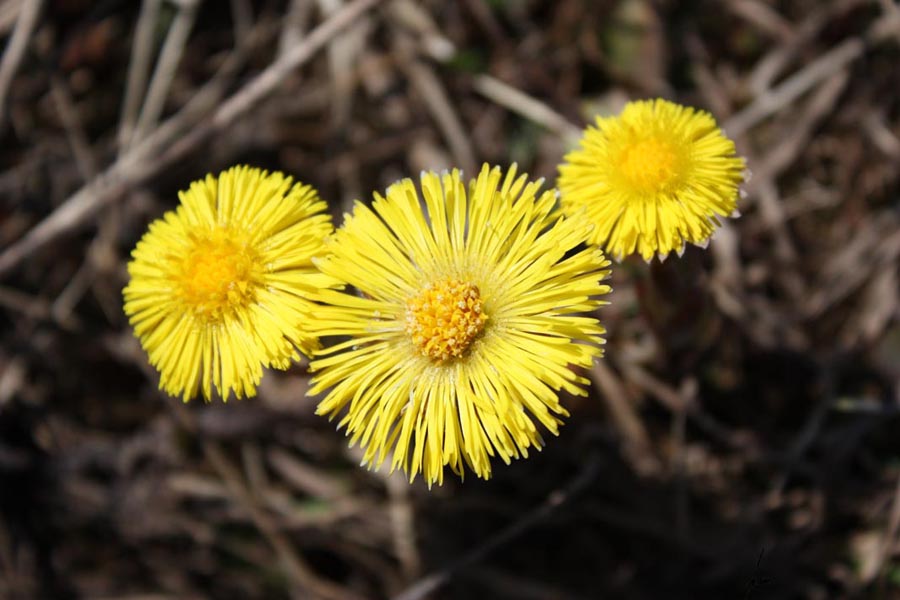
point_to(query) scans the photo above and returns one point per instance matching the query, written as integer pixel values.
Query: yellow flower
(654, 177)
(219, 287)
(466, 324)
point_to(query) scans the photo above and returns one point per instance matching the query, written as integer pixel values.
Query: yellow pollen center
(649, 165)
(444, 318)
(218, 275)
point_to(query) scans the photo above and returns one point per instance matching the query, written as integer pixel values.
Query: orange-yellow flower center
(649, 165)
(218, 275)
(444, 318)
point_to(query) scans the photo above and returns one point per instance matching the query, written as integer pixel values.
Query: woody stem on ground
(175, 138)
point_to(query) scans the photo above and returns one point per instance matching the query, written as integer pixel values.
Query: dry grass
(741, 440)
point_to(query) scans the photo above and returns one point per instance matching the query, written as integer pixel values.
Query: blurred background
(741, 437)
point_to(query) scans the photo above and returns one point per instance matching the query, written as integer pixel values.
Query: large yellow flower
(219, 287)
(468, 320)
(654, 177)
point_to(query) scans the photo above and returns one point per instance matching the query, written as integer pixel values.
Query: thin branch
(169, 57)
(295, 24)
(75, 133)
(164, 147)
(889, 542)
(429, 87)
(768, 68)
(242, 17)
(403, 527)
(794, 86)
(138, 69)
(431, 583)
(10, 582)
(635, 440)
(299, 572)
(531, 108)
(9, 12)
(15, 51)
(264, 83)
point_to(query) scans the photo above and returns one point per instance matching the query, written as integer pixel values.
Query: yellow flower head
(654, 177)
(219, 287)
(466, 323)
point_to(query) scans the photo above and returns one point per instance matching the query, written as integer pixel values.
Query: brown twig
(297, 570)
(164, 146)
(164, 73)
(431, 583)
(242, 19)
(75, 134)
(437, 102)
(772, 64)
(764, 17)
(15, 51)
(403, 527)
(9, 12)
(682, 402)
(32, 307)
(295, 23)
(635, 440)
(531, 108)
(890, 541)
(790, 89)
(10, 582)
(138, 69)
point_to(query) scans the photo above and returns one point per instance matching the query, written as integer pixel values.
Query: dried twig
(890, 541)
(242, 17)
(685, 402)
(14, 52)
(86, 160)
(300, 574)
(438, 103)
(807, 435)
(635, 440)
(12, 378)
(303, 477)
(9, 583)
(75, 134)
(531, 108)
(14, 300)
(431, 583)
(138, 69)
(764, 17)
(163, 146)
(295, 567)
(169, 57)
(790, 89)
(295, 23)
(403, 527)
(786, 152)
(769, 67)
(9, 12)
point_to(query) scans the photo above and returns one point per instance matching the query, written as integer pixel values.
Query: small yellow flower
(219, 287)
(467, 321)
(654, 177)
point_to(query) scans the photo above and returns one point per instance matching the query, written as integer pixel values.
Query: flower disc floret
(218, 275)
(444, 318)
(651, 165)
